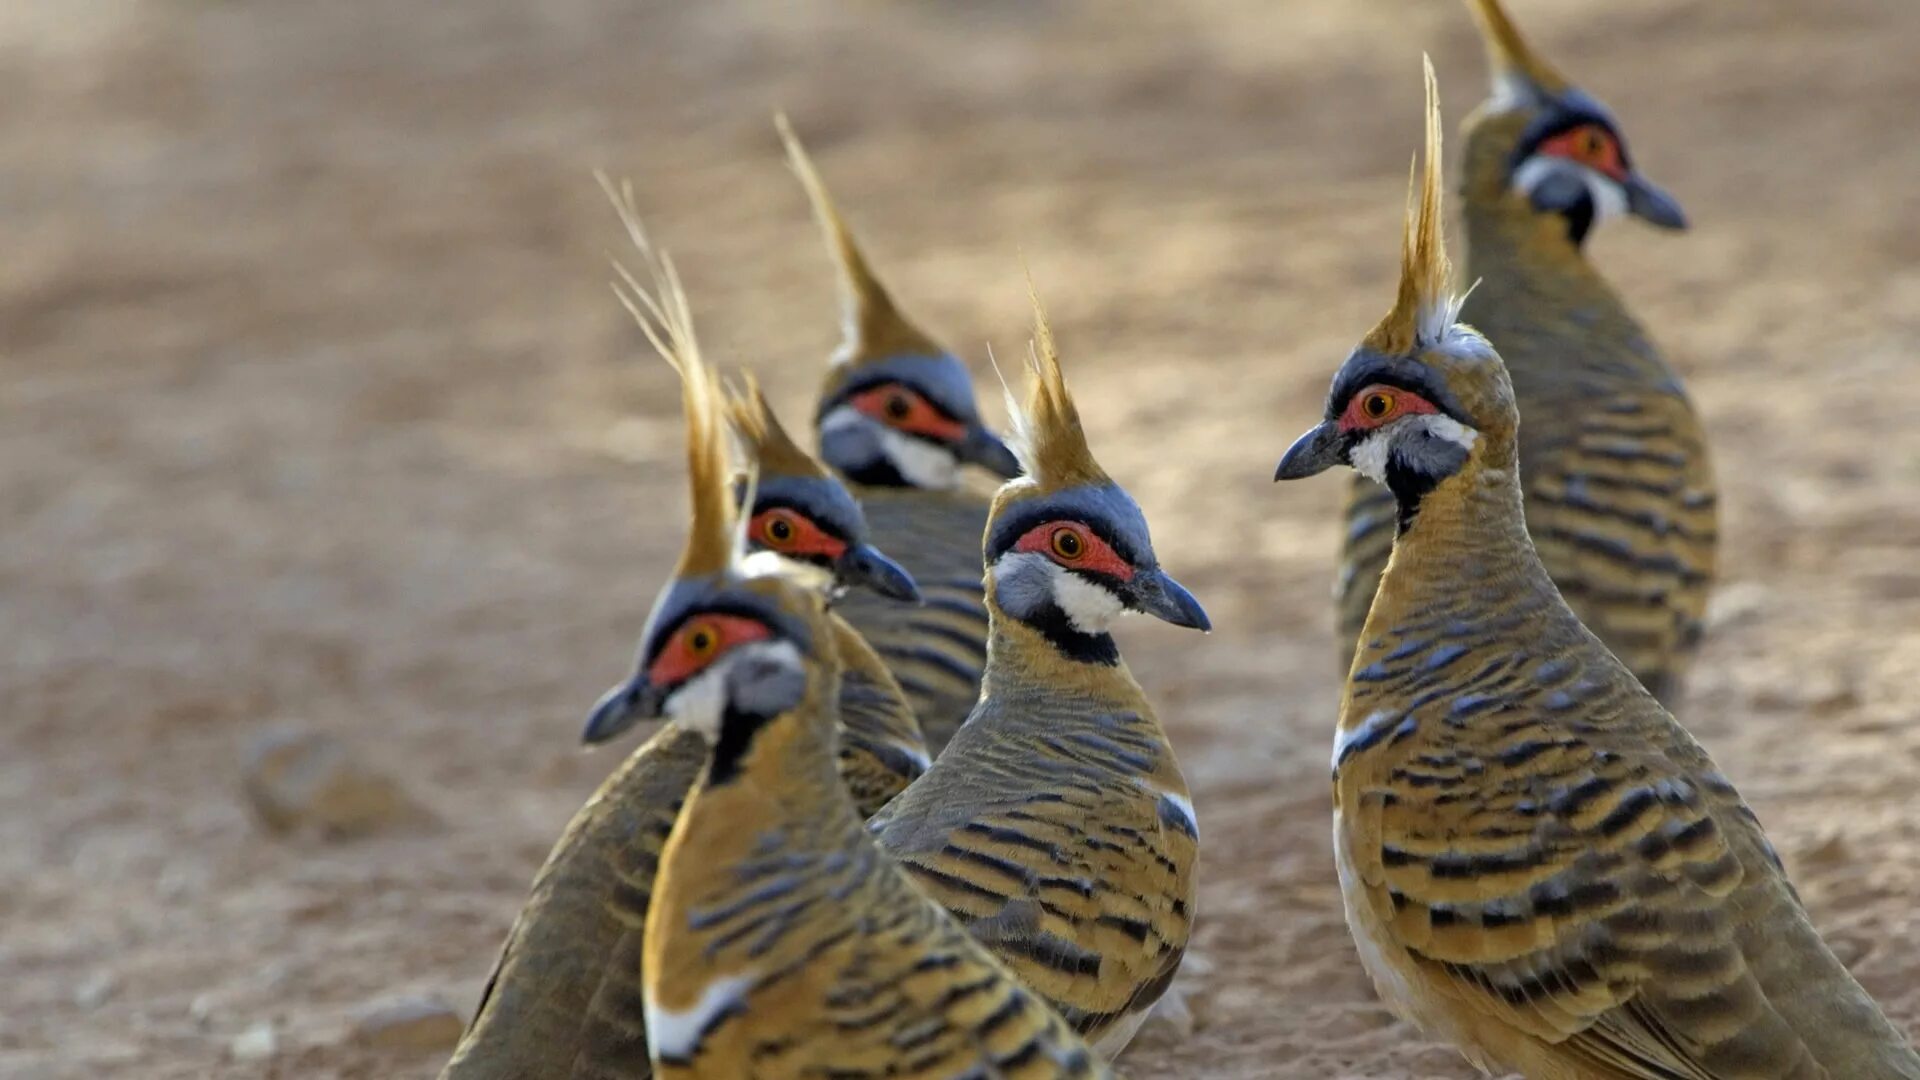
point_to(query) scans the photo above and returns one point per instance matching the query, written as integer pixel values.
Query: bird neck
(779, 821)
(1464, 556)
(1051, 655)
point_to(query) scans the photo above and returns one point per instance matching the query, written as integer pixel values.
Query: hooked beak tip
(617, 711)
(990, 452)
(867, 566)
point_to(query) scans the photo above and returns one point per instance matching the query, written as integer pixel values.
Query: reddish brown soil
(315, 408)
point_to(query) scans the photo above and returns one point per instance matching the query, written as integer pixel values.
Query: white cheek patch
(676, 1035)
(1090, 608)
(1609, 198)
(1453, 431)
(1369, 458)
(921, 463)
(773, 564)
(701, 701)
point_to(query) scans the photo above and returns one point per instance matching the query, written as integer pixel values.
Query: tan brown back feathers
(873, 327)
(1425, 307)
(1508, 53)
(667, 321)
(767, 440)
(1047, 436)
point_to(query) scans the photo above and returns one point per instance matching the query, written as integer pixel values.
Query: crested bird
(1539, 864)
(1057, 824)
(564, 998)
(780, 941)
(1620, 497)
(898, 419)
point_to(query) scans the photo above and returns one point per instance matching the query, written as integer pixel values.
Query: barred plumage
(1057, 825)
(564, 998)
(898, 419)
(784, 943)
(1620, 497)
(1538, 863)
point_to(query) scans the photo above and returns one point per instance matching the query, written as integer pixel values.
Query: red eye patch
(1381, 404)
(1590, 145)
(699, 642)
(898, 407)
(792, 533)
(1073, 545)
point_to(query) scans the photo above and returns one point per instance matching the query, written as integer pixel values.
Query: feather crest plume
(659, 306)
(1047, 436)
(1426, 307)
(766, 439)
(872, 326)
(1508, 54)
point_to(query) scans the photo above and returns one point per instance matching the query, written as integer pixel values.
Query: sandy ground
(315, 408)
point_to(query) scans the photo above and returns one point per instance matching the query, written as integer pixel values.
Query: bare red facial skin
(1363, 412)
(699, 642)
(802, 536)
(1590, 145)
(898, 407)
(1085, 551)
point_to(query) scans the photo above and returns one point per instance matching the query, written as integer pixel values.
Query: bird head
(1423, 393)
(802, 515)
(1067, 549)
(725, 649)
(1544, 140)
(897, 410)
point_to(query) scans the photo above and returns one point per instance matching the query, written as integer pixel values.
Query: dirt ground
(316, 409)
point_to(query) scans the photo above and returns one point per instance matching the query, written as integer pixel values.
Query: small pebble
(95, 991)
(408, 1023)
(257, 1043)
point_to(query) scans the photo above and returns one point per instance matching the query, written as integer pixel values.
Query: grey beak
(620, 708)
(1645, 200)
(1153, 593)
(987, 450)
(1313, 453)
(864, 565)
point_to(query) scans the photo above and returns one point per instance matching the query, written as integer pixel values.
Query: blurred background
(321, 434)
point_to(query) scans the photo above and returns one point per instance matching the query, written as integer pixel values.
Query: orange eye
(702, 640)
(1376, 405)
(778, 529)
(1067, 544)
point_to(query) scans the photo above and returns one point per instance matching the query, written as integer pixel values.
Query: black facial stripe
(878, 473)
(737, 730)
(1409, 486)
(1056, 627)
(1399, 374)
(1010, 528)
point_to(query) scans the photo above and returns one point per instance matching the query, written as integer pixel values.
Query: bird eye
(1595, 142)
(1377, 405)
(898, 405)
(778, 530)
(1067, 544)
(702, 640)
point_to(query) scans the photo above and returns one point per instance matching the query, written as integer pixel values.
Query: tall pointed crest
(1508, 53)
(660, 307)
(1425, 307)
(1047, 436)
(772, 448)
(872, 328)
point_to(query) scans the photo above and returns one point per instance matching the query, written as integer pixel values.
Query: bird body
(937, 648)
(564, 999)
(1538, 863)
(1620, 497)
(898, 419)
(780, 942)
(1057, 824)
(784, 943)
